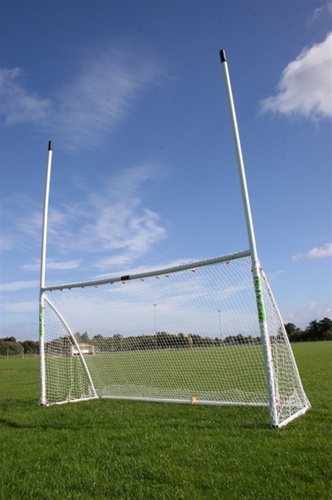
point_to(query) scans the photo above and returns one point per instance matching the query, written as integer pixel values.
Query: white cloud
(111, 227)
(20, 327)
(21, 307)
(303, 314)
(17, 104)
(92, 105)
(305, 86)
(325, 10)
(16, 286)
(113, 221)
(141, 268)
(21, 222)
(134, 238)
(54, 265)
(315, 253)
(102, 95)
(63, 266)
(6, 242)
(160, 266)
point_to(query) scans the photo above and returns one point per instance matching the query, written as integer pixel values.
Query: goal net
(189, 334)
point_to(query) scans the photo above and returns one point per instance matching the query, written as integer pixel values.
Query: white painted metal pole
(244, 187)
(43, 400)
(253, 249)
(45, 215)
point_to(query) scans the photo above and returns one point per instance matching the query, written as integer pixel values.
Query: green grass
(206, 374)
(127, 450)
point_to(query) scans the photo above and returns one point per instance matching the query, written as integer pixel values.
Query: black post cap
(222, 55)
(50, 145)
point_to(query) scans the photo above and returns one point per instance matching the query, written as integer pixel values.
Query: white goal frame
(260, 286)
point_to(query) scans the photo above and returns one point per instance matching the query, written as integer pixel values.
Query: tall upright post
(268, 361)
(43, 400)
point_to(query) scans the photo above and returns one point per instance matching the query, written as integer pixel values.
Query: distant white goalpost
(207, 332)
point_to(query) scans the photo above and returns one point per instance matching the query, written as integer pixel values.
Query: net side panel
(66, 378)
(290, 396)
(189, 336)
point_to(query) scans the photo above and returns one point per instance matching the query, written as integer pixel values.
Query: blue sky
(144, 171)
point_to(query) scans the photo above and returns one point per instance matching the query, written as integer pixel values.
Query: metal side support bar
(72, 336)
(306, 402)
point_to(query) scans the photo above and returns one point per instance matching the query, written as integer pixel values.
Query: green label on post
(41, 321)
(259, 299)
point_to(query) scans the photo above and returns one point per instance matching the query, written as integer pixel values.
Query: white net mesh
(188, 335)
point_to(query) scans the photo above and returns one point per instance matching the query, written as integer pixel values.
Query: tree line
(10, 346)
(315, 331)
(160, 340)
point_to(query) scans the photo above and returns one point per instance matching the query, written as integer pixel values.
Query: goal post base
(292, 417)
(69, 401)
(196, 402)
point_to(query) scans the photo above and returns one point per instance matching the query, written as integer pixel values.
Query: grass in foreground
(121, 449)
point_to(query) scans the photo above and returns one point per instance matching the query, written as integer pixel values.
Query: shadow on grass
(18, 404)
(123, 415)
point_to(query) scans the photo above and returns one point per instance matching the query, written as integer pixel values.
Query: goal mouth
(188, 334)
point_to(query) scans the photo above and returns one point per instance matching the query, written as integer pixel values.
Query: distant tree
(78, 337)
(9, 339)
(326, 327)
(117, 342)
(182, 340)
(327, 335)
(85, 337)
(9, 347)
(319, 330)
(98, 338)
(316, 330)
(294, 333)
(196, 340)
(30, 346)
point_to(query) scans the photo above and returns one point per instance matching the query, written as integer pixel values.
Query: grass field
(208, 374)
(129, 450)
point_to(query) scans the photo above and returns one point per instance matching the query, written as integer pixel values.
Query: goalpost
(208, 332)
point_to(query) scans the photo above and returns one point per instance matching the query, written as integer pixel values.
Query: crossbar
(168, 270)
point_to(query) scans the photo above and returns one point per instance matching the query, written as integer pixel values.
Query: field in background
(206, 374)
(130, 450)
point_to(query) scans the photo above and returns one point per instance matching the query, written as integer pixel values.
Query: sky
(144, 171)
